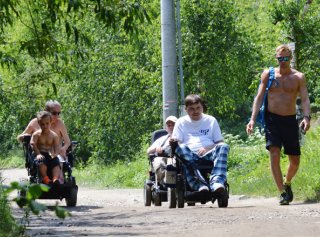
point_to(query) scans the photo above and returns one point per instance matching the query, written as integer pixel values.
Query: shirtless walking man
(282, 128)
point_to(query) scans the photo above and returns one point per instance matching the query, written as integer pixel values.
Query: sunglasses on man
(55, 113)
(283, 59)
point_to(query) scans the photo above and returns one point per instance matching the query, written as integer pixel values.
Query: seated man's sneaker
(284, 199)
(217, 187)
(288, 190)
(203, 188)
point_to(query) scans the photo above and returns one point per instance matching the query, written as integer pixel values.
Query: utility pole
(169, 59)
(181, 107)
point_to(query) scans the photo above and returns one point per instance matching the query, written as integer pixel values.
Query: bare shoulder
(53, 134)
(297, 74)
(37, 133)
(34, 124)
(265, 72)
(61, 124)
(265, 76)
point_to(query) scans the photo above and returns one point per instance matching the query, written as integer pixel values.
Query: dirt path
(121, 212)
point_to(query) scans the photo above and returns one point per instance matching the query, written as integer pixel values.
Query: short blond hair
(283, 48)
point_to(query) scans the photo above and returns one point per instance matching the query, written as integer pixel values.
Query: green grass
(14, 159)
(252, 175)
(128, 174)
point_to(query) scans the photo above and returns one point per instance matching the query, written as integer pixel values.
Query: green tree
(115, 97)
(43, 40)
(220, 60)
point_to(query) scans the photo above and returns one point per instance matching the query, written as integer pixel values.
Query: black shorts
(283, 131)
(49, 161)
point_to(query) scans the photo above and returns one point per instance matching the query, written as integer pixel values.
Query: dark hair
(43, 114)
(193, 99)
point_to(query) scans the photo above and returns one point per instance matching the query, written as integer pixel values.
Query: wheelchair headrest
(158, 133)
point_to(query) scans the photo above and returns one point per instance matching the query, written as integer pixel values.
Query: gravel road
(120, 212)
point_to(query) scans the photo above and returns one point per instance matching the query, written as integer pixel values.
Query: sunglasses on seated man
(55, 113)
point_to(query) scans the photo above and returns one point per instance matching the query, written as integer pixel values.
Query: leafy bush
(8, 225)
(27, 201)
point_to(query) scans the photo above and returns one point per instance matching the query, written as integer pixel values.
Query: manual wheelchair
(68, 189)
(176, 190)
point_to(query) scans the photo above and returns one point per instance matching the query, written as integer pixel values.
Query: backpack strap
(271, 78)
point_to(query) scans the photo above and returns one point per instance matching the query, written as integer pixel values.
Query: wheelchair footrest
(199, 196)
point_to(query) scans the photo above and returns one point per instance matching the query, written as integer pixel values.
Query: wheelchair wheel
(180, 191)
(172, 197)
(157, 198)
(147, 195)
(223, 200)
(71, 200)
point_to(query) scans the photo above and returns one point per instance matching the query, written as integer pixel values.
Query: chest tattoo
(276, 83)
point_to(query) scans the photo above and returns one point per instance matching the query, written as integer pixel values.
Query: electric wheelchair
(176, 190)
(67, 190)
(156, 192)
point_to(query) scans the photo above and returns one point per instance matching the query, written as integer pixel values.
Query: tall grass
(252, 175)
(14, 159)
(125, 173)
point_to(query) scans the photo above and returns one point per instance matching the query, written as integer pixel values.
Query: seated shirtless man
(45, 144)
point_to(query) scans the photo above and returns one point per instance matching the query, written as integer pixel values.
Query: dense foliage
(102, 61)
(8, 225)
(220, 59)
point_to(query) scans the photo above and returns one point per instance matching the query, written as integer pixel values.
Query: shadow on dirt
(97, 223)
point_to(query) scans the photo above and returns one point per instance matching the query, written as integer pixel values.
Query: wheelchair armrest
(72, 146)
(151, 157)
(26, 139)
(173, 144)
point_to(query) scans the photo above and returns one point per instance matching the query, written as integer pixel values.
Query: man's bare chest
(57, 130)
(287, 84)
